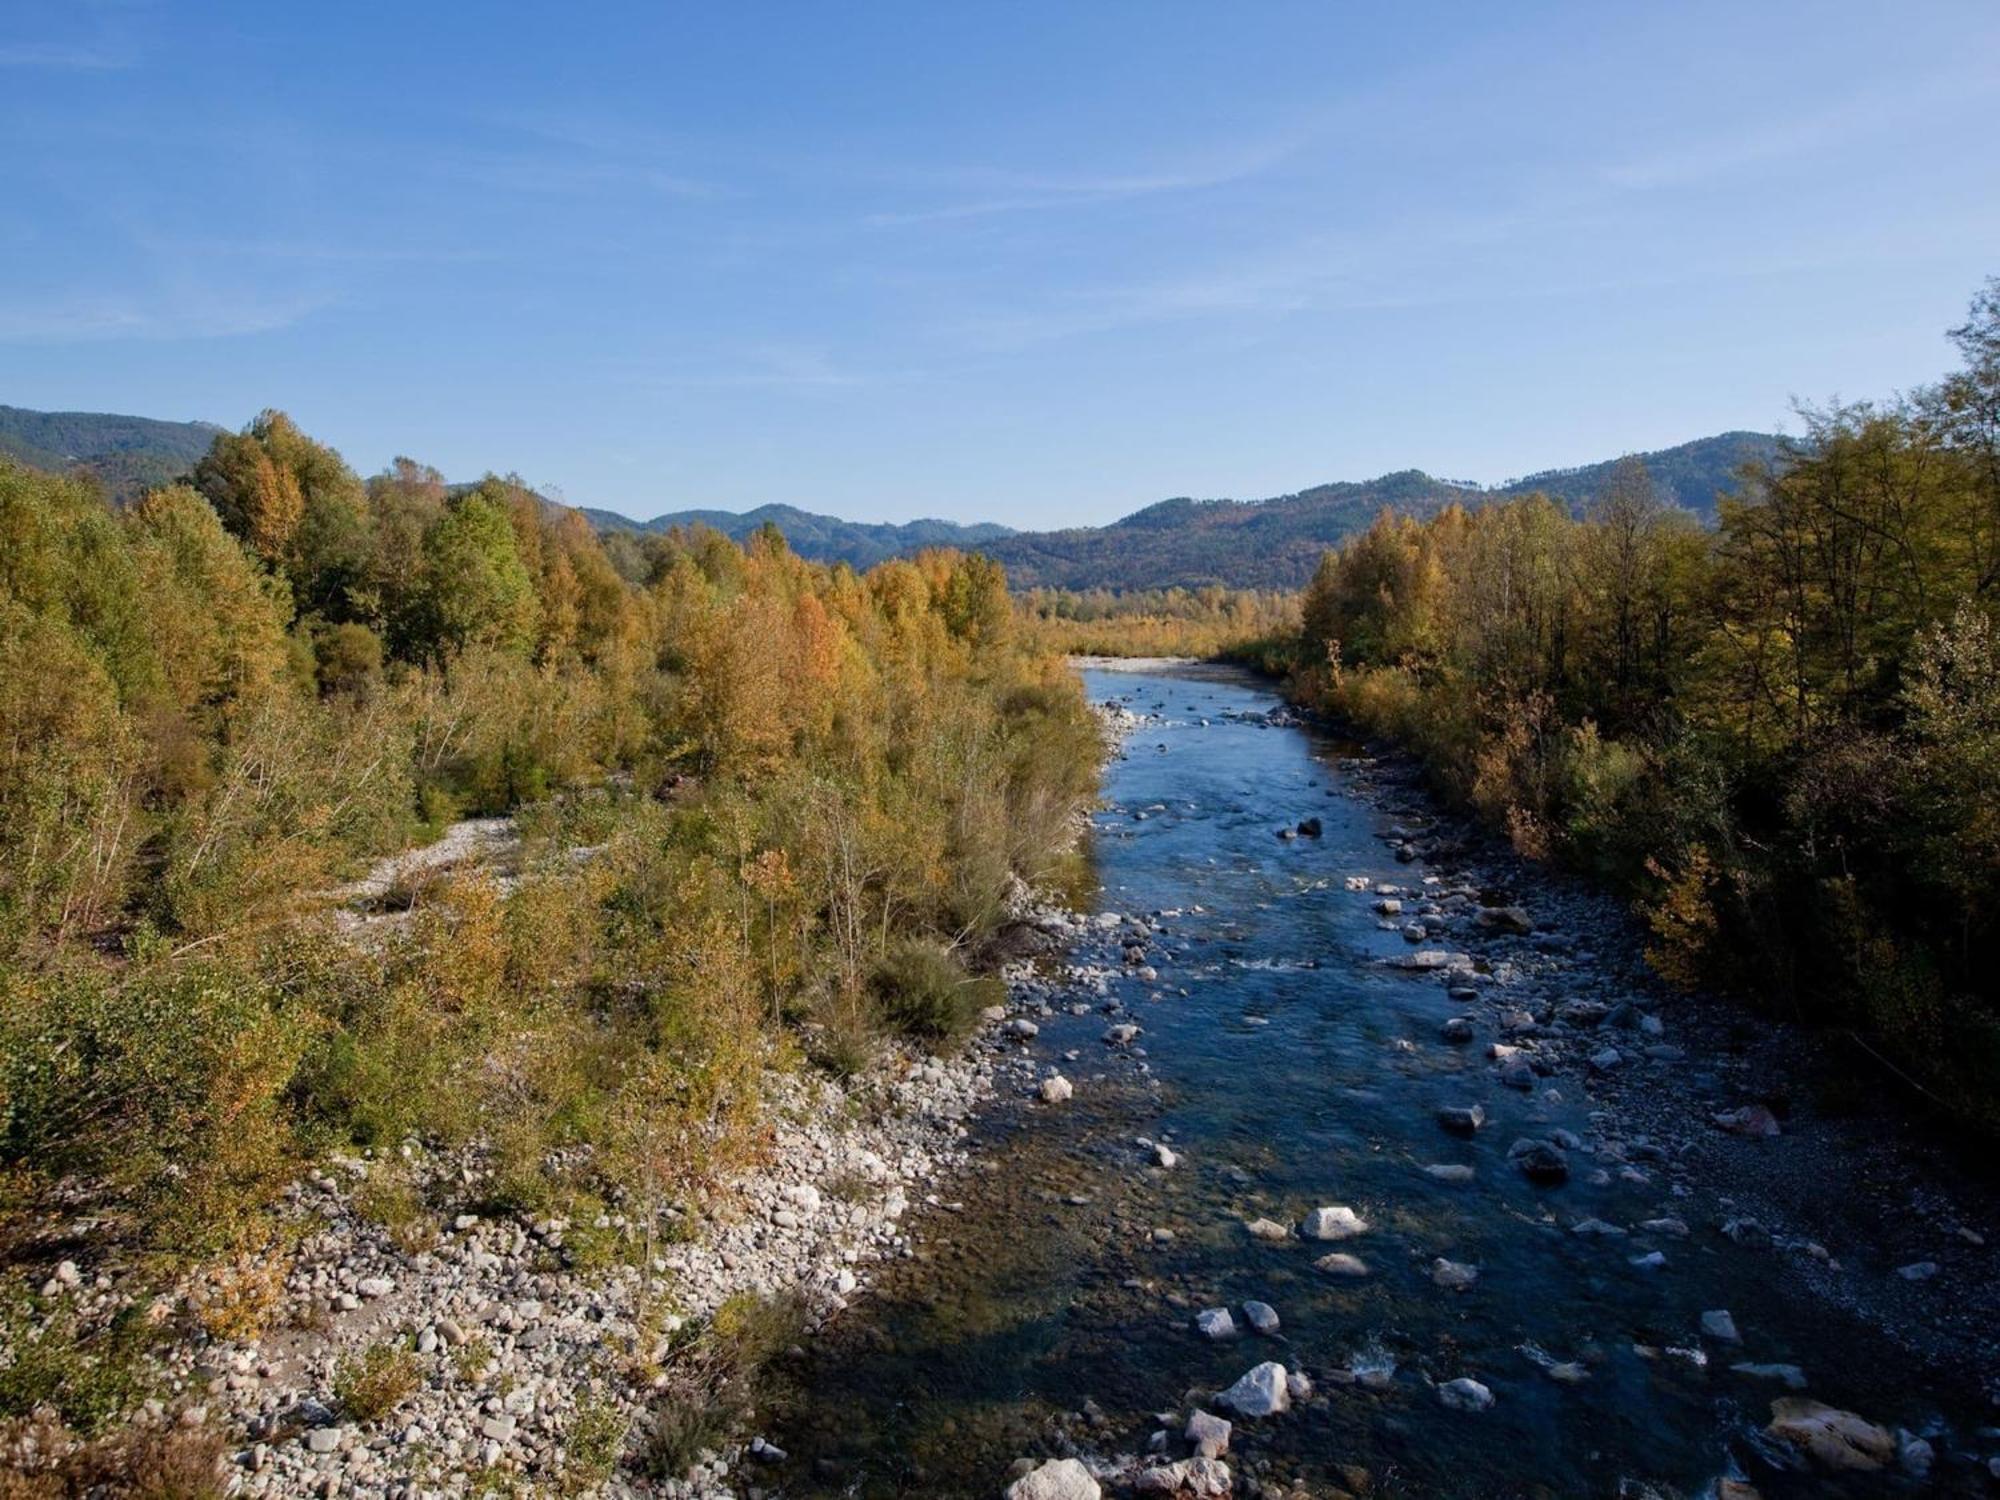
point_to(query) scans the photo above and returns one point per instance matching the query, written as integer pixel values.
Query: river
(1290, 1058)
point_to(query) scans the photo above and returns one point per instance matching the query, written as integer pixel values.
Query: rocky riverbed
(1381, 1165)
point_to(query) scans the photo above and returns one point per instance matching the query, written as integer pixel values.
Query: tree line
(1782, 735)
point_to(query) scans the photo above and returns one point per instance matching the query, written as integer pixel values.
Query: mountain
(821, 538)
(127, 455)
(1276, 543)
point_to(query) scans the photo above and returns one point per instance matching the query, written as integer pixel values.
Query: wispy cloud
(59, 57)
(794, 367)
(981, 193)
(199, 316)
(1872, 112)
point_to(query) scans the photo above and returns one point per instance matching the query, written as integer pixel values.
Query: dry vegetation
(802, 795)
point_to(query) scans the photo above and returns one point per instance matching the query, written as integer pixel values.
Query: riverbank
(410, 1331)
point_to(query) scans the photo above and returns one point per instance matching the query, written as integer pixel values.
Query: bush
(921, 991)
(368, 1386)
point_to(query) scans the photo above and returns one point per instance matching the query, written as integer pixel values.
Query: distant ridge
(861, 544)
(127, 455)
(1177, 543)
(1276, 543)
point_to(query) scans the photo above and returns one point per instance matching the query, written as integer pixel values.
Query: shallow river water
(1289, 1066)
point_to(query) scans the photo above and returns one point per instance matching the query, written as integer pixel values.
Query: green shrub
(370, 1385)
(921, 991)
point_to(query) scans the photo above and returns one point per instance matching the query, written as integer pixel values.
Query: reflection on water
(1288, 1069)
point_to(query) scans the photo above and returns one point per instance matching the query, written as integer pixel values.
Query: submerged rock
(1261, 1316)
(1463, 1119)
(1751, 1120)
(1454, 1275)
(1539, 1161)
(1337, 1222)
(1720, 1326)
(1465, 1394)
(1340, 1263)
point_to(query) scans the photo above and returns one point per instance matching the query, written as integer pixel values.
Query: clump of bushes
(920, 990)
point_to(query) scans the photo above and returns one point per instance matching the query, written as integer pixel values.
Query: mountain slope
(821, 538)
(1276, 543)
(127, 455)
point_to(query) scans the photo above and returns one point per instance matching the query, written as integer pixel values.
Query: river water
(1289, 1062)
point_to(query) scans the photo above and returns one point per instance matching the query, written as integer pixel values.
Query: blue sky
(1035, 263)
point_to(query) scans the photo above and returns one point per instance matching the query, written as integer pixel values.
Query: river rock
(1208, 1433)
(1513, 919)
(1309, 828)
(1450, 1172)
(1751, 1120)
(1337, 1222)
(1462, 1119)
(1261, 1316)
(1058, 1479)
(1056, 1089)
(1922, 1270)
(1340, 1263)
(1457, 1029)
(1539, 1161)
(1215, 1323)
(1454, 1275)
(1465, 1394)
(1266, 1229)
(1261, 1392)
(1832, 1438)
(1720, 1326)
(1022, 1029)
(1188, 1476)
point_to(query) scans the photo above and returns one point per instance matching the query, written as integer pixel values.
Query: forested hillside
(1782, 736)
(769, 809)
(1275, 544)
(859, 544)
(125, 455)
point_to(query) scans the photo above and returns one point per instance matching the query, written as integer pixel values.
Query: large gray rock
(1058, 1479)
(1261, 1392)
